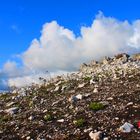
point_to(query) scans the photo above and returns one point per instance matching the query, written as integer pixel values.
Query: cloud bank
(58, 48)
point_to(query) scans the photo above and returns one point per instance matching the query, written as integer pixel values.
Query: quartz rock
(61, 120)
(95, 90)
(81, 85)
(56, 89)
(79, 96)
(95, 136)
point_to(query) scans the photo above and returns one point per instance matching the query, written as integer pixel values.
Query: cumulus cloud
(134, 40)
(58, 48)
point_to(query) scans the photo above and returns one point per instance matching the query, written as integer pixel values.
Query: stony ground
(99, 98)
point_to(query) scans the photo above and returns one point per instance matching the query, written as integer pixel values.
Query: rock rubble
(99, 102)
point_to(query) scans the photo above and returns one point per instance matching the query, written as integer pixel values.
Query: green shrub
(96, 106)
(87, 78)
(79, 122)
(48, 117)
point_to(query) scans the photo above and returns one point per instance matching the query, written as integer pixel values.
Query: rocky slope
(100, 102)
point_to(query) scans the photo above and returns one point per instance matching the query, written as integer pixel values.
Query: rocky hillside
(100, 102)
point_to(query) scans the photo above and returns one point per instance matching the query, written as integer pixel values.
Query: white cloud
(10, 68)
(54, 50)
(59, 49)
(33, 78)
(134, 40)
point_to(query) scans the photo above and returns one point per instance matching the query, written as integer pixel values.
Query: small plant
(96, 106)
(31, 103)
(48, 117)
(16, 105)
(79, 122)
(87, 78)
(4, 118)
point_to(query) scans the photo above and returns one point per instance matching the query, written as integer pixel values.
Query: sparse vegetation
(4, 118)
(87, 78)
(31, 103)
(96, 106)
(79, 122)
(48, 117)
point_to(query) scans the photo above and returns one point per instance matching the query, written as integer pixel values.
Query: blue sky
(36, 35)
(22, 20)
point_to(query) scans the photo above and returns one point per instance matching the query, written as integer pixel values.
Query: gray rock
(126, 127)
(105, 103)
(73, 99)
(12, 110)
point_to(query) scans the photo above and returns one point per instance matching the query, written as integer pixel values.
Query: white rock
(81, 85)
(54, 103)
(116, 118)
(10, 104)
(106, 138)
(87, 130)
(63, 88)
(96, 86)
(31, 118)
(126, 127)
(110, 99)
(95, 136)
(138, 85)
(61, 120)
(15, 97)
(14, 91)
(130, 103)
(58, 83)
(56, 89)
(79, 96)
(71, 107)
(92, 82)
(28, 138)
(87, 95)
(46, 110)
(95, 90)
(12, 110)
(1, 111)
